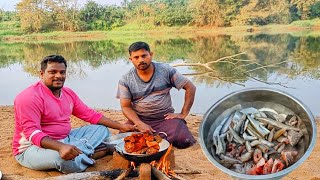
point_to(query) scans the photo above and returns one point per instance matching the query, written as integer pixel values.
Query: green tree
(172, 13)
(231, 9)
(97, 17)
(303, 7)
(315, 10)
(64, 14)
(91, 12)
(7, 15)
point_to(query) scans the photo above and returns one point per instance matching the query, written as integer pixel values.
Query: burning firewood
(164, 164)
(144, 171)
(124, 173)
(158, 174)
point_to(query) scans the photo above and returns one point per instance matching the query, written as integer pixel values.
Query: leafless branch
(269, 83)
(239, 68)
(226, 57)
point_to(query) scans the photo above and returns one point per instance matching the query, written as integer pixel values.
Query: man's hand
(143, 127)
(66, 151)
(174, 116)
(127, 127)
(69, 152)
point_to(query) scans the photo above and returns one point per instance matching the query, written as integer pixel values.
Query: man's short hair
(52, 58)
(137, 46)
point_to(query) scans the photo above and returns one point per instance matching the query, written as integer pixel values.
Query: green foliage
(258, 12)
(10, 28)
(303, 7)
(66, 15)
(97, 17)
(7, 15)
(173, 14)
(91, 12)
(315, 10)
(294, 13)
(231, 9)
(306, 23)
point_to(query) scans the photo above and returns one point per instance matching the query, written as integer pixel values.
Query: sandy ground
(191, 158)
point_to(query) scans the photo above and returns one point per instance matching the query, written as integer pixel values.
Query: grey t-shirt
(151, 100)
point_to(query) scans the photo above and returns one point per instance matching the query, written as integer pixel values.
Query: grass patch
(307, 23)
(139, 30)
(8, 28)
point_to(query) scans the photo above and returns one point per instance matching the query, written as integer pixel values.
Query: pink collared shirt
(38, 113)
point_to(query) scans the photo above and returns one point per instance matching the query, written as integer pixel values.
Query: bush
(315, 10)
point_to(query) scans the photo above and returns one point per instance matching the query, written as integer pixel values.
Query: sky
(9, 5)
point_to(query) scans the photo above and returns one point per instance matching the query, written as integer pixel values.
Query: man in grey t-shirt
(144, 94)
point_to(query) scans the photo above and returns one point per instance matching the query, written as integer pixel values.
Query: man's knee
(39, 159)
(183, 137)
(182, 142)
(100, 130)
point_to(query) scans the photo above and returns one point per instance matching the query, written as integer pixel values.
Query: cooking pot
(257, 98)
(143, 158)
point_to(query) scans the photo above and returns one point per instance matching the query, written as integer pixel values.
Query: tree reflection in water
(262, 55)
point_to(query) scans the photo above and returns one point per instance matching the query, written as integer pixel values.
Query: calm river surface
(283, 62)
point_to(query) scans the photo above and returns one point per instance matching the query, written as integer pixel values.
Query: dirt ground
(191, 158)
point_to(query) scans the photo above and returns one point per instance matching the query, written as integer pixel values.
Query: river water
(282, 61)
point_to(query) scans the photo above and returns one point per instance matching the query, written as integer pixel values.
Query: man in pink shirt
(43, 138)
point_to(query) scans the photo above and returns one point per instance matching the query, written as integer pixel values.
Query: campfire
(161, 169)
(164, 163)
(121, 168)
(138, 155)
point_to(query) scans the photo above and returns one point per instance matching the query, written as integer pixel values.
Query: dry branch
(89, 175)
(187, 172)
(124, 173)
(240, 68)
(226, 57)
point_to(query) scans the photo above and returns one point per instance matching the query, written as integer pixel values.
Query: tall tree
(206, 13)
(32, 15)
(260, 12)
(171, 13)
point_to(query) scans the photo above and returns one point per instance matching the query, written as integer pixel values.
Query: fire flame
(133, 164)
(153, 163)
(164, 163)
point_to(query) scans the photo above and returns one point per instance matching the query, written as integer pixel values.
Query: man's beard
(53, 88)
(143, 66)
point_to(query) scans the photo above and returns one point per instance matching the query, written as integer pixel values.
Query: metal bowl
(257, 98)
